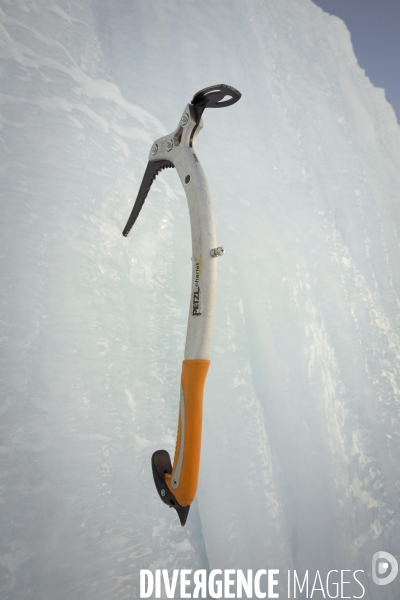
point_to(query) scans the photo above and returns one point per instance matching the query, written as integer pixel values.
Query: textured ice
(301, 454)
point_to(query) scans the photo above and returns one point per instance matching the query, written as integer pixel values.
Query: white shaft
(204, 267)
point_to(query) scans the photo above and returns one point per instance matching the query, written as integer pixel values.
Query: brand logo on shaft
(384, 568)
(196, 292)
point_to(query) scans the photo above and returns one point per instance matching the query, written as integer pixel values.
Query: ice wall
(300, 463)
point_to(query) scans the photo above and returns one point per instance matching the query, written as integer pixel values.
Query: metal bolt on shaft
(215, 252)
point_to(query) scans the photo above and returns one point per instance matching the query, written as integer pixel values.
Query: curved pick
(152, 170)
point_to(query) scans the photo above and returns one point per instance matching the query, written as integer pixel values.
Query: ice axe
(177, 484)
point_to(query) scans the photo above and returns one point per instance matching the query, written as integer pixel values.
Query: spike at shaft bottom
(161, 464)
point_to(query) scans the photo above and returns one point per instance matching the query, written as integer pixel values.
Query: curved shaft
(182, 482)
(204, 267)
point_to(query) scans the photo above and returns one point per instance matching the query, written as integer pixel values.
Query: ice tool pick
(177, 484)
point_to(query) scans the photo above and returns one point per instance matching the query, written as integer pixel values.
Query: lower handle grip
(182, 482)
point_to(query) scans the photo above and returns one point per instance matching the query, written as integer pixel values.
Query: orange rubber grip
(194, 373)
